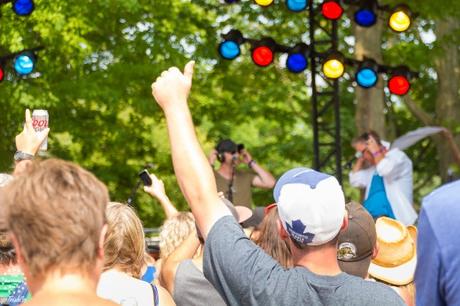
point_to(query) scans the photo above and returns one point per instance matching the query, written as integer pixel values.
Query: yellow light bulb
(333, 69)
(264, 2)
(399, 21)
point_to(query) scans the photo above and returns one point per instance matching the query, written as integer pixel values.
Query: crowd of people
(63, 242)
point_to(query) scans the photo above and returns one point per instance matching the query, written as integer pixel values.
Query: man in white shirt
(387, 179)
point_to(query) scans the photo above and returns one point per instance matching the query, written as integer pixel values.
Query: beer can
(40, 121)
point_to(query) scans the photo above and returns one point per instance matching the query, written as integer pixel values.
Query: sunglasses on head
(268, 208)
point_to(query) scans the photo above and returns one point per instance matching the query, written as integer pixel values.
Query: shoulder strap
(156, 298)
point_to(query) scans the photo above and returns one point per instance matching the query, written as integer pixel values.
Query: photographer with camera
(387, 176)
(236, 183)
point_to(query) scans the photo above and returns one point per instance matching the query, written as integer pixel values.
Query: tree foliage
(100, 58)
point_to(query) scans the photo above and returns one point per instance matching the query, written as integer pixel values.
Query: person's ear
(17, 247)
(100, 247)
(281, 231)
(375, 250)
(344, 222)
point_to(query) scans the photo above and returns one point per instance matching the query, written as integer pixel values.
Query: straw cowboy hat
(396, 259)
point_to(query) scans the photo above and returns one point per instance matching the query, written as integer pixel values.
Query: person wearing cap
(357, 244)
(234, 182)
(311, 208)
(386, 174)
(396, 259)
(438, 247)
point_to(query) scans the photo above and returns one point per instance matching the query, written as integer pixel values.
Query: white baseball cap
(311, 205)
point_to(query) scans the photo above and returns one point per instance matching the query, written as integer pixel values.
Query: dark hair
(365, 136)
(7, 252)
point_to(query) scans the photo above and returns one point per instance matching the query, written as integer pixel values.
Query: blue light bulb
(366, 77)
(296, 5)
(229, 49)
(296, 62)
(23, 7)
(24, 64)
(365, 17)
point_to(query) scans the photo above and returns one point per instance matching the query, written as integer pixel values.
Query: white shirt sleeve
(361, 178)
(392, 163)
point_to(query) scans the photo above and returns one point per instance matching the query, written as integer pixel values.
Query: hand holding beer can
(40, 121)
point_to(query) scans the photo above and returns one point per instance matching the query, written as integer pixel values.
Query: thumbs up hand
(172, 87)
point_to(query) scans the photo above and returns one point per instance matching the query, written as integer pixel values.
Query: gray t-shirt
(245, 275)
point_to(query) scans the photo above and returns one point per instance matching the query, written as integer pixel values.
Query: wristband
(19, 155)
(251, 163)
(375, 154)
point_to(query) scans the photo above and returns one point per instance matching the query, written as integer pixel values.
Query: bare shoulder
(165, 297)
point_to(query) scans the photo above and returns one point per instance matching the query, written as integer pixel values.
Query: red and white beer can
(40, 121)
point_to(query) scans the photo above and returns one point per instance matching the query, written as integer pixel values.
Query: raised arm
(263, 179)
(191, 166)
(157, 190)
(185, 251)
(27, 144)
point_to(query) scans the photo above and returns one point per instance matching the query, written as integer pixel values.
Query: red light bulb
(399, 85)
(262, 56)
(331, 10)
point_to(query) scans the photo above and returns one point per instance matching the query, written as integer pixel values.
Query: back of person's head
(56, 213)
(311, 207)
(269, 240)
(174, 231)
(124, 245)
(357, 244)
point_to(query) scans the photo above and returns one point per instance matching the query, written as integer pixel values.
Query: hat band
(396, 262)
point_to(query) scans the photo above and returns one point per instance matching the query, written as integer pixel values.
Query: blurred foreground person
(396, 259)
(124, 258)
(13, 288)
(311, 209)
(387, 176)
(438, 248)
(56, 214)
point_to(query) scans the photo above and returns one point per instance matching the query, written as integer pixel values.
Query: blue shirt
(377, 203)
(437, 276)
(149, 275)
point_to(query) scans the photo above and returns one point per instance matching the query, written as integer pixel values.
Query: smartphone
(145, 177)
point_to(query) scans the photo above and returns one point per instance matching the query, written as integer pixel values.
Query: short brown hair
(124, 245)
(56, 211)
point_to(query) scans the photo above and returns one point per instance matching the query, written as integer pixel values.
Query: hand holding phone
(145, 177)
(156, 188)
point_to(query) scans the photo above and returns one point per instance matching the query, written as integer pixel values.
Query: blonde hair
(270, 241)
(56, 212)
(174, 231)
(124, 245)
